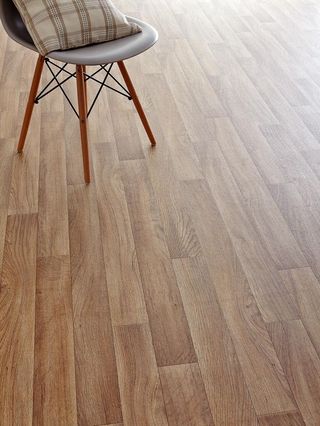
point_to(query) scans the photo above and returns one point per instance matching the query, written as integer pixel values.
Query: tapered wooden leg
(30, 105)
(85, 88)
(83, 121)
(136, 101)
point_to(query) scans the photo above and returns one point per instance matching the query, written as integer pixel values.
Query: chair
(103, 55)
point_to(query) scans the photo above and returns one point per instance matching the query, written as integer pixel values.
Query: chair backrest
(13, 24)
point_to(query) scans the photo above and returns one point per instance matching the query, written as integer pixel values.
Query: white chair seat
(111, 51)
(94, 54)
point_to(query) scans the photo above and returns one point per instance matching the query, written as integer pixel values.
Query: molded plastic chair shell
(95, 54)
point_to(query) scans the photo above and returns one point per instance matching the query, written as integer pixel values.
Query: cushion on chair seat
(67, 24)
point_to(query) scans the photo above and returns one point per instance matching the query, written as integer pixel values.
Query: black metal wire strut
(54, 83)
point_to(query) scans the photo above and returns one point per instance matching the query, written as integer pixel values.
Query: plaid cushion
(66, 24)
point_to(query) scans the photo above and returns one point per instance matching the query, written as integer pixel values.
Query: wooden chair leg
(85, 88)
(136, 101)
(30, 105)
(83, 121)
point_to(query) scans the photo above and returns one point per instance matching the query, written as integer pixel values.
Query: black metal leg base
(56, 70)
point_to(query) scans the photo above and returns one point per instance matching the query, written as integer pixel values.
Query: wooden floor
(181, 287)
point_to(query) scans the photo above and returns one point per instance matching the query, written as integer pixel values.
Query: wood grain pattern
(223, 378)
(127, 137)
(302, 221)
(312, 325)
(186, 164)
(289, 419)
(10, 101)
(266, 216)
(255, 260)
(178, 228)
(54, 368)
(239, 307)
(17, 320)
(25, 173)
(96, 371)
(185, 396)
(182, 286)
(301, 365)
(53, 210)
(127, 303)
(139, 381)
(306, 289)
(280, 107)
(6, 151)
(299, 297)
(118, 424)
(169, 327)
(246, 326)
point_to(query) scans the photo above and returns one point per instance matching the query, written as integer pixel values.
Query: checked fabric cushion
(67, 24)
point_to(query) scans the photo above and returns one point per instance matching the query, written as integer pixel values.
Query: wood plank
(301, 365)
(6, 158)
(298, 298)
(10, 96)
(113, 424)
(184, 395)
(53, 238)
(163, 109)
(248, 331)
(293, 163)
(98, 398)
(229, 25)
(259, 149)
(269, 64)
(287, 419)
(234, 101)
(223, 379)
(3, 225)
(169, 327)
(118, 424)
(54, 369)
(301, 220)
(217, 248)
(256, 262)
(304, 285)
(17, 320)
(168, 165)
(127, 303)
(8, 102)
(200, 87)
(312, 325)
(100, 122)
(285, 114)
(139, 381)
(4, 49)
(264, 213)
(127, 137)
(178, 228)
(184, 102)
(25, 172)
(256, 353)
(311, 120)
